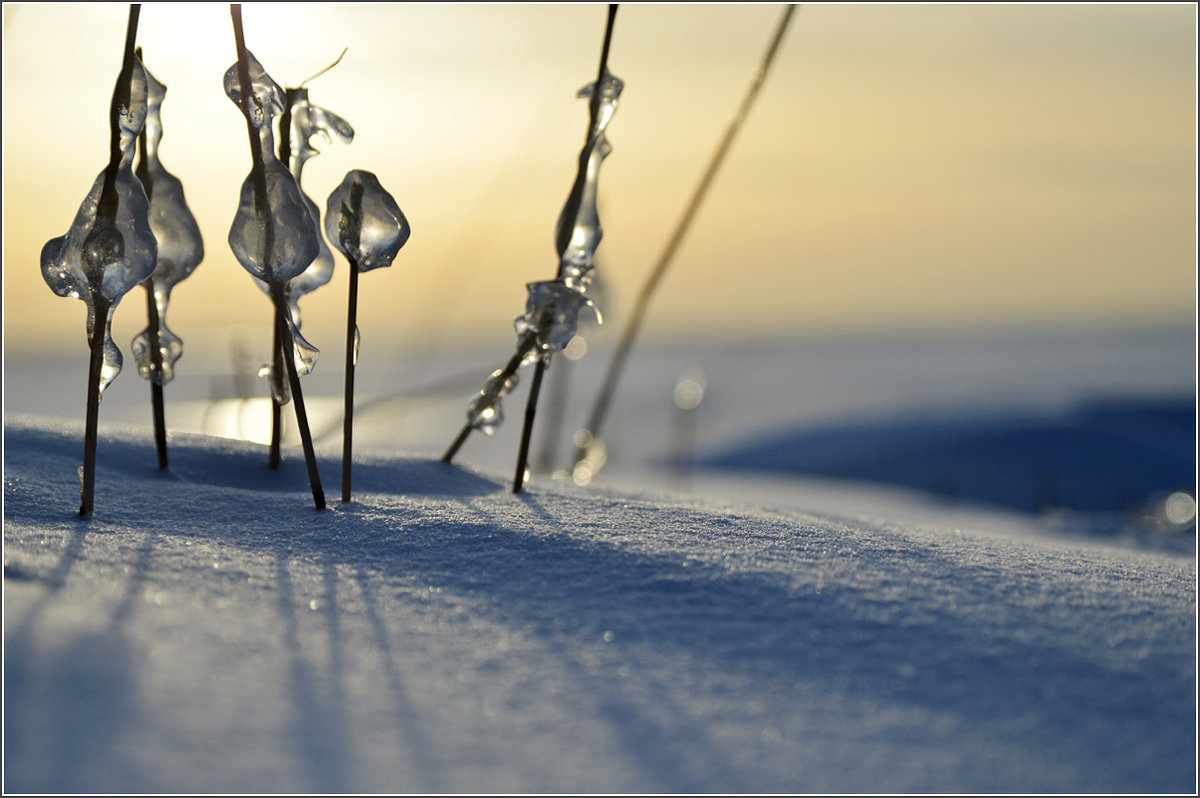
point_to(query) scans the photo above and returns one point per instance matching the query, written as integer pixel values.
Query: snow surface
(208, 631)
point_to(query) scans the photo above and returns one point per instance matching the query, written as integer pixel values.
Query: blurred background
(931, 209)
(906, 165)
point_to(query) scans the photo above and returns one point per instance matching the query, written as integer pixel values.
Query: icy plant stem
(157, 406)
(259, 169)
(527, 430)
(277, 379)
(633, 326)
(259, 175)
(285, 154)
(535, 389)
(510, 368)
(348, 415)
(108, 209)
(156, 388)
(310, 455)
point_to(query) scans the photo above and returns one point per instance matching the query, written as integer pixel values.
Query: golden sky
(905, 165)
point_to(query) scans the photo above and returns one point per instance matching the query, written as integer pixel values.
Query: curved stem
(633, 326)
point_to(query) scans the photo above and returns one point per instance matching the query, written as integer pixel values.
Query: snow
(208, 631)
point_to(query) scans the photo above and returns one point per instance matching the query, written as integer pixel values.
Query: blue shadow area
(1107, 455)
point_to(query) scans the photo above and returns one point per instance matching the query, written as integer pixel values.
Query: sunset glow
(905, 166)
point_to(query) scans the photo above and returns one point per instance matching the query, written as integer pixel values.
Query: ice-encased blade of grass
(180, 251)
(367, 226)
(272, 234)
(109, 248)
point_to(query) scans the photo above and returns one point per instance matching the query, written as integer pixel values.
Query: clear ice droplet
(364, 222)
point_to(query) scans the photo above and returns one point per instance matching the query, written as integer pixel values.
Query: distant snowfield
(208, 631)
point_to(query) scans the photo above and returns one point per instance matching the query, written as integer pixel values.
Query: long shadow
(82, 710)
(425, 759)
(318, 732)
(1138, 731)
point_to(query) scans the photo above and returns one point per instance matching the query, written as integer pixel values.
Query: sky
(906, 166)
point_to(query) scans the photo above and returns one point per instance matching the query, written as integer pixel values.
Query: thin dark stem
(608, 31)
(527, 430)
(95, 366)
(277, 377)
(310, 456)
(633, 326)
(348, 415)
(285, 129)
(459, 440)
(156, 386)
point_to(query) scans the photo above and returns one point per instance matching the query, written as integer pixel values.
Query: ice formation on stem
(589, 453)
(367, 226)
(579, 231)
(273, 235)
(303, 121)
(110, 247)
(364, 222)
(180, 248)
(551, 317)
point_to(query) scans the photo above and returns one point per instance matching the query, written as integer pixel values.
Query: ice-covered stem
(299, 123)
(503, 379)
(367, 226)
(579, 225)
(310, 455)
(551, 313)
(350, 232)
(591, 432)
(263, 216)
(157, 402)
(277, 352)
(258, 169)
(180, 245)
(101, 239)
